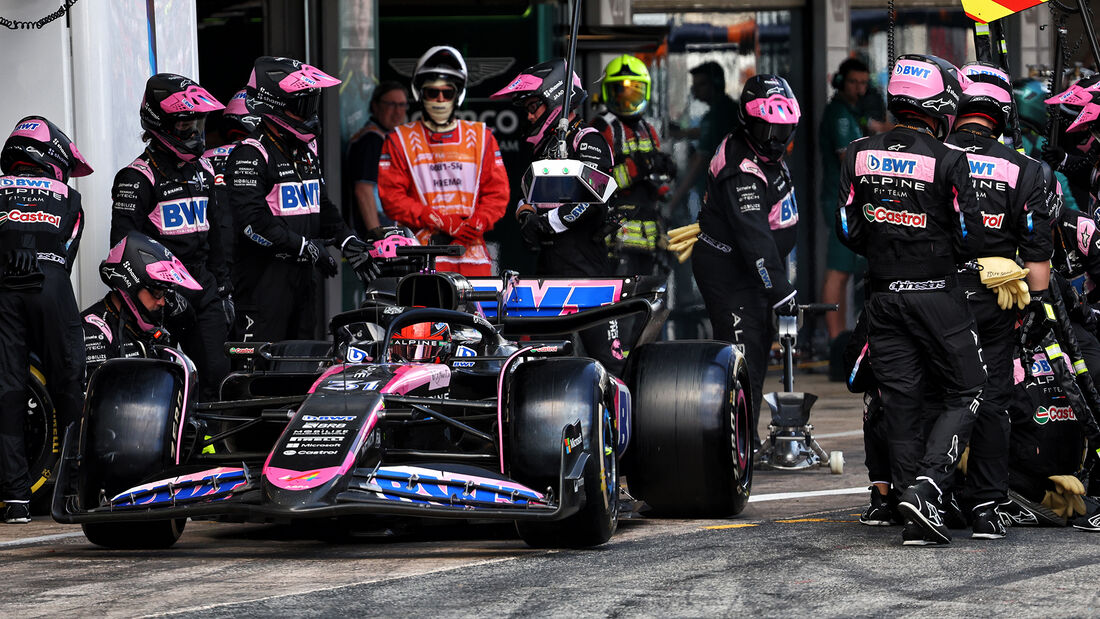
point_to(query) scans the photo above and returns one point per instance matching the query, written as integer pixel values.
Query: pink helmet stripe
(115, 255)
(238, 105)
(776, 109)
(1089, 113)
(984, 89)
(172, 272)
(523, 83)
(194, 99)
(34, 129)
(305, 78)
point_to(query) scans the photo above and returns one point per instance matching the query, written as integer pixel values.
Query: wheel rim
(610, 464)
(38, 432)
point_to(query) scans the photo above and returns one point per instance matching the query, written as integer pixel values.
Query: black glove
(358, 256)
(1054, 155)
(21, 261)
(318, 257)
(530, 227)
(1038, 319)
(230, 310)
(788, 307)
(660, 164)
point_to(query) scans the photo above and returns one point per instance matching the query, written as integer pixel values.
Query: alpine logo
(1043, 414)
(31, 217)
(882, 214)
(898, 165)
(993, 221)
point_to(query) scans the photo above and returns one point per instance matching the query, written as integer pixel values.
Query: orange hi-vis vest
(447, 178)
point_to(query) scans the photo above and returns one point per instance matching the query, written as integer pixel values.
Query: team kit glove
(318, 257)
(1038, 319)
(358, 256)
(788, 307)
(230, 310)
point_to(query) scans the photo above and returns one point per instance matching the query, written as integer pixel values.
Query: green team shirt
(839, 127)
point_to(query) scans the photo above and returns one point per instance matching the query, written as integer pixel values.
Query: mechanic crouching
(747, 227)
(143, 276)
(906, 204)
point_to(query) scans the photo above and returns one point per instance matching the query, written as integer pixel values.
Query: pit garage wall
(86, 72)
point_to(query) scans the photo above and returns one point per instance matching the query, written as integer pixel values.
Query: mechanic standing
(284, 216)
(443, 176)
(905, 204)
(569, 237)
(1013, 196)
(747, 227)
(641, 170)
(168, 194)
(41, 220)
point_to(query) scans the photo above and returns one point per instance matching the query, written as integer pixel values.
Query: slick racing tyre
(545, 396)
(691, 453)
(133, 414)
(41, 440)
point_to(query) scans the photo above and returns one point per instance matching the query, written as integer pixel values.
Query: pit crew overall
(278, 198)
(44, 215)
(1015, 213)
(905, 204)
(570, 239)
(747, 227)
(174, 202)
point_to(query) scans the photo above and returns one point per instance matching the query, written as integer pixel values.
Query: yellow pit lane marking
(731, 526)
(799, 520)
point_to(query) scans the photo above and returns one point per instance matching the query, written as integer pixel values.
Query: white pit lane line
(42, 538)
(780, 496)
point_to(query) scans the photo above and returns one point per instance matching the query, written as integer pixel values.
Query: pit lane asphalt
(785, 554)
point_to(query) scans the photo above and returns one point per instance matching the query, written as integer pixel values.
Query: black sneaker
(17, 513)
(953, 514)
(1090, 521)
(920, 502)
(879, 513)
(987, 523)
(1025, 513)
(916, 535)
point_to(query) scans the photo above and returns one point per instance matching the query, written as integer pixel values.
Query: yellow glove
(1068, 485)
(683, 256)
(963, 460)
(683, 232)
(994, 270)
(1065, 506)
(1023, 294)
(682, 248)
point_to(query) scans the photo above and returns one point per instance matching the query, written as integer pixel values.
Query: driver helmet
(543, 81)
(39, 143)
(287, 93)
(928, 85)
(138, 262)
(173, 112)
(423, 342)
(626, 85)
(987, 93)
(769, 112)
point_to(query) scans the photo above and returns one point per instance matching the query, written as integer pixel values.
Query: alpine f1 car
(460, 400)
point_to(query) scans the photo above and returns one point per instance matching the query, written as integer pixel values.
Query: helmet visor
(304, 107)
(771, 136)
(627, 97)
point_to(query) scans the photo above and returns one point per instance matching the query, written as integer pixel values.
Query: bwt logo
(295, 196)
(183, 216)
(984, 71)
(24, 182)
(891, 165)
(28, 126)
(915, 71)
(984, 169)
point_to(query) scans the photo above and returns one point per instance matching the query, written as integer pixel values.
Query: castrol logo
(31, 217)
(993, 221)
(881, 214)
(1043, 414)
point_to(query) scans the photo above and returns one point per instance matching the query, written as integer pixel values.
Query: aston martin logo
(479, 69)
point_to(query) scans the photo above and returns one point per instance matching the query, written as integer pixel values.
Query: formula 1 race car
(501, 422)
